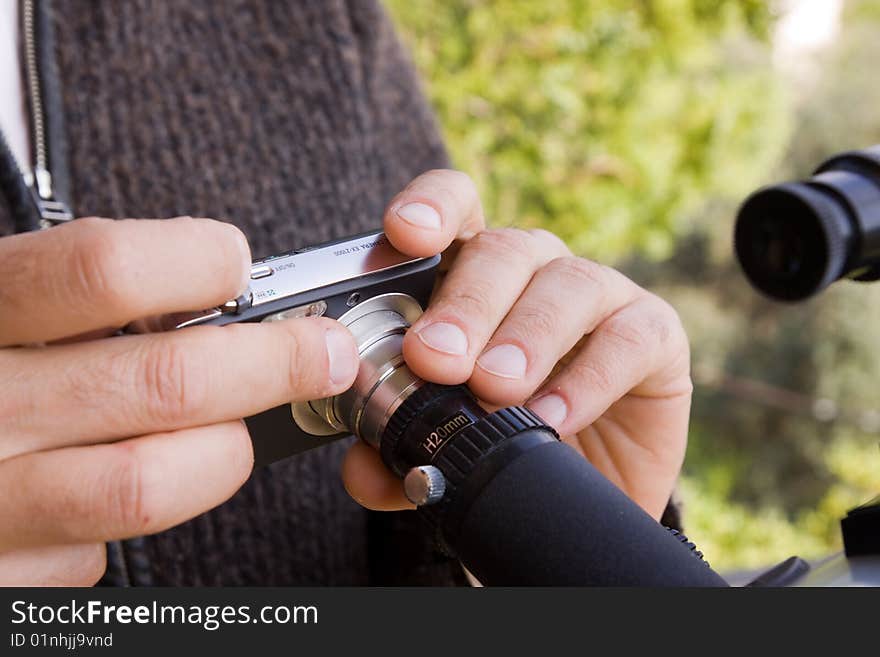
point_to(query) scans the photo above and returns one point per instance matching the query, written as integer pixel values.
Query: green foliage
(752, 536)
(609, 123)
(736, 536)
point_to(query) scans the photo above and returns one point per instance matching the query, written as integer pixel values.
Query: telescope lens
(795, 239)
(791, 240)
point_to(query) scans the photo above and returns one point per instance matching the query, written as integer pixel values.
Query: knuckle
(623, 329)
(168, 386)
(579, 271)
(548, 238)
(537, 320)
(666, 322)
(596, 375)
(502, 243)
(15, 406)
(304, 368)
(119, 496)
(294, 369)
(99, 267)
(652, 323)
(661, 323)
(93, 381)
(671, 334)
(19, 269)
(473, 301)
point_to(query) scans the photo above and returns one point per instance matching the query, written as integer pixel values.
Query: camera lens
(383, 381)
(794, 239)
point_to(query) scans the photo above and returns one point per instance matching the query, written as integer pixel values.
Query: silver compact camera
(367, 285)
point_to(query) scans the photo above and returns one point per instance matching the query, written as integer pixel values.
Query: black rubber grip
(549, 518)
(474, 456)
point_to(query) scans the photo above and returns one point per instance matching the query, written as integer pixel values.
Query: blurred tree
(607, 122)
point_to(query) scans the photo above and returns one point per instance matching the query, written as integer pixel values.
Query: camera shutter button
(260, 272)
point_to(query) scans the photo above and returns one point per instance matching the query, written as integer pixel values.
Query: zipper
(52, 210)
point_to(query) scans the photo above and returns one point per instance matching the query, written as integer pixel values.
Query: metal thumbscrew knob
(424, 485)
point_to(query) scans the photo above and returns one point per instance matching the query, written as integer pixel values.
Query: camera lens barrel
(794, 239)
(445, 427)
(383, 381)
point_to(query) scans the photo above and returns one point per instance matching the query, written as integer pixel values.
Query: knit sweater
(297, 121)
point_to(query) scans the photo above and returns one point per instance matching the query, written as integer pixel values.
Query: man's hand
(521, 320)
(106, 438)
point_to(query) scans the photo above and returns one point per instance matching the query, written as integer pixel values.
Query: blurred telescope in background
(794, 239)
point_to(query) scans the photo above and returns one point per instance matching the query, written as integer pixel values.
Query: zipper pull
(52, 211)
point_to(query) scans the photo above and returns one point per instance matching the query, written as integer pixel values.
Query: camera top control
(288, 276)
(261, 272)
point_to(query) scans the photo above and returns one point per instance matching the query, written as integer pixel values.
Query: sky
(804, 29)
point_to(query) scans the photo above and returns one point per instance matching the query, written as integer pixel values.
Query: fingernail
(444, 337)
(421, 215)
(505, 360)
(343, 365)
(550, 408)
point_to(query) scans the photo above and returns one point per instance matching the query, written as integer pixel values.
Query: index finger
(435, 209)
(94, 273)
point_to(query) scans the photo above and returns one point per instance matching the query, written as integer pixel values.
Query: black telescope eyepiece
(795, 239)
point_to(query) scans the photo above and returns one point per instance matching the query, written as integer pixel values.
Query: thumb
(436, 208)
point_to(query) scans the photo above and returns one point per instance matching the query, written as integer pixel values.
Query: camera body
(330, 280)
